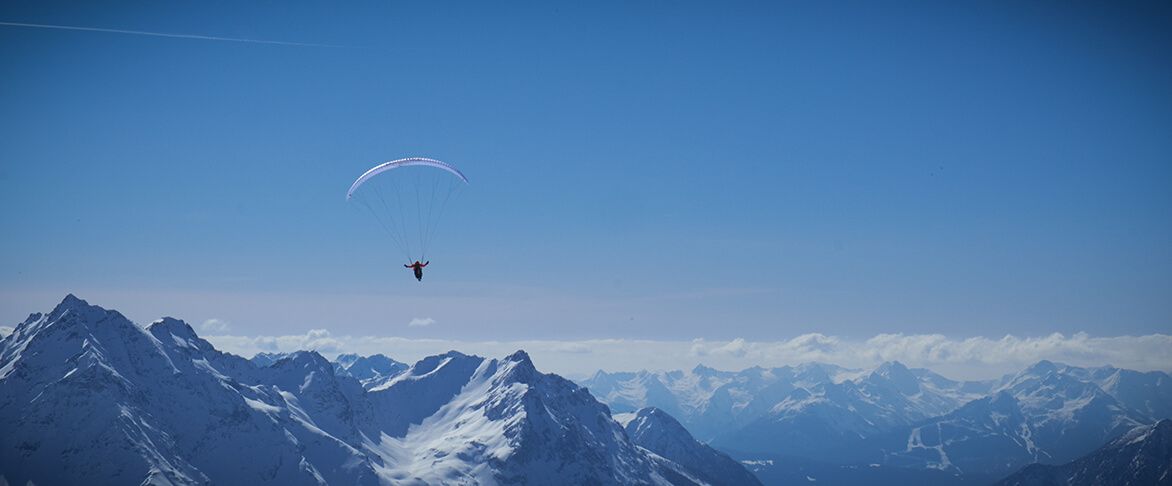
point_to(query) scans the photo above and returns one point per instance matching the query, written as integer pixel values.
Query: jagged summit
(1042, 368)
(88, 396)
(520, 356)
(891, 367)
(897, 376)
(71, 304)
(304, 359)
(72, 301)
(174, 327)
(521, 367)
(599, 375)
(372, 371)
(655, 430)
(346, 359)
(430, 364)
(264, 359)
(650, 418)
(700, 369)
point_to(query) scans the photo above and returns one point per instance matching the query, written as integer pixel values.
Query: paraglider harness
(418, 268)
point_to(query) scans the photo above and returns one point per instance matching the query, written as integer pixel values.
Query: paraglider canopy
(408, 198)
(407, 162)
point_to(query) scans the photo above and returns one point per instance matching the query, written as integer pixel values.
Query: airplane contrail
(163, 34)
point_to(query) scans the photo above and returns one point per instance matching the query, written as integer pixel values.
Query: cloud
(5, 331)
(421, 322)
(266, 343)
(320, 340)
(736, 347)
(571, 347)
(697, 348)
(959, 358)
(971, 357)
(213, 325)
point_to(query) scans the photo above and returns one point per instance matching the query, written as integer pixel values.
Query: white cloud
(963, 358)
(320, 340)
(266, 343)
(697, 348)
(736, 347)
(214, 325)
(421, 322)
(975, 357)
(570, 347)
(5, 331)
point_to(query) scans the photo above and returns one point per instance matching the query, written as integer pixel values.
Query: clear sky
(640, 170)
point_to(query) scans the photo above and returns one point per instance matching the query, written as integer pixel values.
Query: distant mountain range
(882, 425)
(88, 397)
(370, 371)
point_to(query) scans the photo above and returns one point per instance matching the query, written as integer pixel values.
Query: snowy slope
(506, 422)
(371, 371)
(1142, 456)
(895, 417)
(794, 409)
(1042, 414)
(656, 431)
(709, 402)
(88, 397)
(267, 359)
(1147, 393)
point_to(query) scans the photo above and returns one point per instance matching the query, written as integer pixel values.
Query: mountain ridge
(821, 415)
(88, 396)
(1142, 456)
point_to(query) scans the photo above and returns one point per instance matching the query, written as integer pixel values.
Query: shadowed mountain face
(655, 430)
(1142, 456)
(88, 397)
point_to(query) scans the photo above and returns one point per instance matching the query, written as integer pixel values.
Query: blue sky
(640, 170)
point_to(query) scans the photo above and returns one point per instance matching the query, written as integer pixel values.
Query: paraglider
(418, 268)
(408, 198)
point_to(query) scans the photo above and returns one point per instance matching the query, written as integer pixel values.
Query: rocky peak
(173, 326)
(702, 370)
(652, 418)
(72, 309)
(516, 368)
(305, 360)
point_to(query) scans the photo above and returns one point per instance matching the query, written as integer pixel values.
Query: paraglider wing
(394, 164)
(408, 204)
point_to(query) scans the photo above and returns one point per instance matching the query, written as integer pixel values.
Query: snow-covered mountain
(371, 371)
(267, 359)
(1149, 394)
(88, 397)
(1142, 456)
(863, 423)
(820, 416)
(655, 430)
(798, 408)
(1042, 414)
